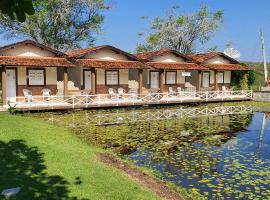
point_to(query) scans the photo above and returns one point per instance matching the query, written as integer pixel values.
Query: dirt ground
(148, 182)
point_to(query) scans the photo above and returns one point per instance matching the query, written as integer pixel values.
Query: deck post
(93, 81)
(215, 80)
(161, 81)
(65, 82)
(199, 80)
(140, 81)
(4, 85)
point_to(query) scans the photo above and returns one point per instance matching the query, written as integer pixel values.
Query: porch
(108, 100)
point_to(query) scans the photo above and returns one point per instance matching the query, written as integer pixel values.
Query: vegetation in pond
(217, 156)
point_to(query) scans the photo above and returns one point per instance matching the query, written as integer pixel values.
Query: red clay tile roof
(35, 61)
(92, 63)
(202, 57)
(151, 54)
(25, 42)
(176, 66)
(228, 67)
(79, 53)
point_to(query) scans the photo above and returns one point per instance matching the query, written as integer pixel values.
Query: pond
(220, 152)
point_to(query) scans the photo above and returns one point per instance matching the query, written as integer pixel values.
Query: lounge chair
(46, 93)
(121, 92)
(179, 91)
(27, 95)
(171, 91)
(112, 93)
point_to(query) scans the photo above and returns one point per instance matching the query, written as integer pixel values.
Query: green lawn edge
(49, 162)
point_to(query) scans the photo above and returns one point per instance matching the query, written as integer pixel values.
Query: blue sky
(242, 21)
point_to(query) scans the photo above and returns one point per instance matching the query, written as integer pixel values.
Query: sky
(243, 19)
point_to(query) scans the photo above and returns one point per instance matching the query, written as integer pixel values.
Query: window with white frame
(220, 77)
(112, 77)
(36, 77)
(170, 77)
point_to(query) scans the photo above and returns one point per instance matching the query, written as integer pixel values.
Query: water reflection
(238, 168)
(223, 152)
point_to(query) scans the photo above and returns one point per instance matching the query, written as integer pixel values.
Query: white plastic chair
(27, 95)
(111, 92)
(179, 90)
(171, 92)
(121, 92)
(46, 93)
(223, 88)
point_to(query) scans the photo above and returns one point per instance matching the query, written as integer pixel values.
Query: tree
(182, 32)
(17, 7)
(60, 24)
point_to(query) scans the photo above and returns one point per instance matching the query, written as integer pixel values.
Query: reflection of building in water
(134, 116)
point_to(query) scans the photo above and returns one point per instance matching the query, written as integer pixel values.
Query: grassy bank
(48, 162)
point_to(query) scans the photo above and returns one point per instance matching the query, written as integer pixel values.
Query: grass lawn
(48, 162)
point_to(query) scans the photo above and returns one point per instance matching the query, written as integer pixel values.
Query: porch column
(161, 81)
(199, 80)
(65, 81)
(140, 81)
(4, 85)
(93, 81)
(215, 80)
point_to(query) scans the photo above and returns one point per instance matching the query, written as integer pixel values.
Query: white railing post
(73, 101)
(98, 99)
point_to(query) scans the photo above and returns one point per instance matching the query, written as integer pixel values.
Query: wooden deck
(105, 100)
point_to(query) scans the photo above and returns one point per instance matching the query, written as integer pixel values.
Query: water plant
(211, 156)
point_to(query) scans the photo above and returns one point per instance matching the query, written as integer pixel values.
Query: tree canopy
(17, 9)
(60, 24)
(181, 32)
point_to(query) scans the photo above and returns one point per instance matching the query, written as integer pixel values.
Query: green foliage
(258, 73)
(17, 9)
(242, 80)
(251, 77)
(182, 32)
(12, 109)
(153, 38)
(141, 48)
(243, 85)
(60, 24)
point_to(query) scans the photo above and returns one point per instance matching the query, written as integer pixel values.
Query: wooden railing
(103, 100)
(165, 114)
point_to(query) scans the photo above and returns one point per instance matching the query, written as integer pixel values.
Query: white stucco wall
(26, 50)
(123, 76)
(123, 73)
(218, 60)
(227, 77)
(21, 75)
(51, 76)
(106, 54)
(100, 77)
(212, 77)
(180, 79)
(168, 58)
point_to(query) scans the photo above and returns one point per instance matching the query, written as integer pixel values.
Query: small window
(36, 77)
(112, 77)
(170, 78)
(220, 77)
